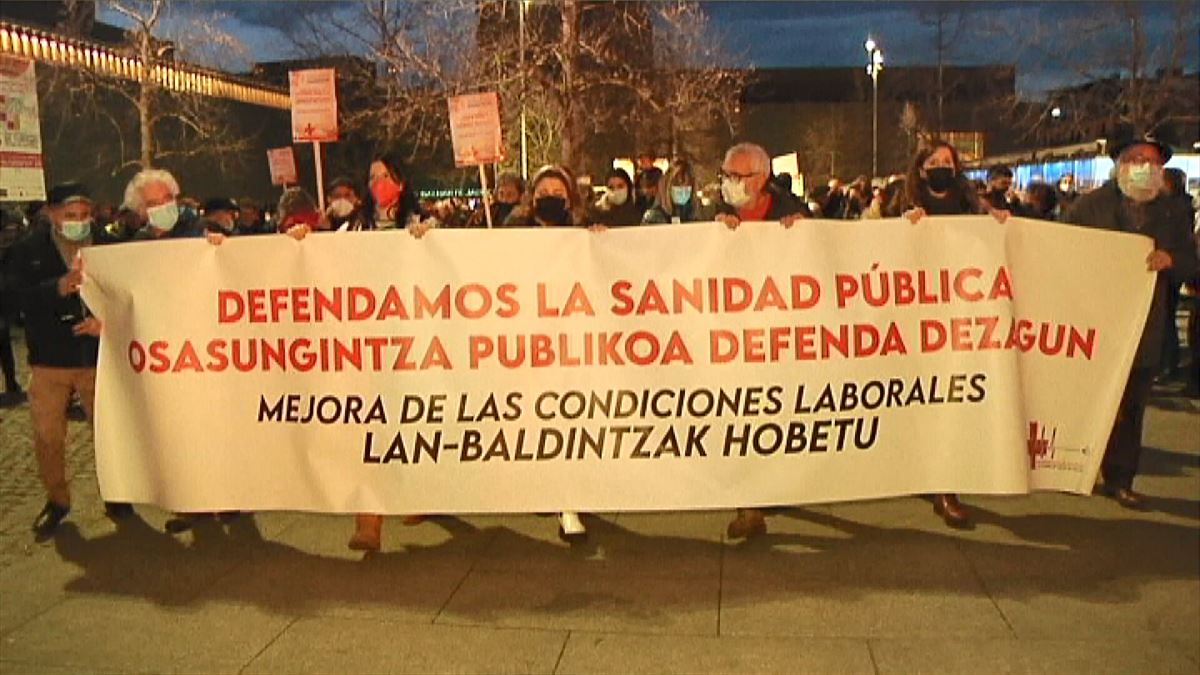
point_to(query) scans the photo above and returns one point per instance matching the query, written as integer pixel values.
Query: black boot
(182, 522)
(118, 510)
(12, 397)
(47, 521)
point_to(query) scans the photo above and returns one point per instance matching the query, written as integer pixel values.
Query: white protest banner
(22, 177)
(669, 367)
(475, 129)
(282, 162)
(314, 105)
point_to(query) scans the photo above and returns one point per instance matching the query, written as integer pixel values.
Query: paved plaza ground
(1044, 584)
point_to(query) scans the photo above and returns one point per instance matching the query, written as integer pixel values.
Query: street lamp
(874, 65)
(521, 9)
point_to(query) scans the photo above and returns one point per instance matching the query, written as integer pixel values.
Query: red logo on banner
(1038, 445)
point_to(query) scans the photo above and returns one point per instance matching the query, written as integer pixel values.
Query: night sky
(797, 34)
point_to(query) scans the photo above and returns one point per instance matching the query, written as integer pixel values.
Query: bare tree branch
(578, 77)
(1120, 75)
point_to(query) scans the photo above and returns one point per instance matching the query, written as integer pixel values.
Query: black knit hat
(220, 204)
(64, 193)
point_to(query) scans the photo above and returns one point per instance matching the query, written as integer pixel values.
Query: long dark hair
(408, 203)
(620, 173)
(916, 186)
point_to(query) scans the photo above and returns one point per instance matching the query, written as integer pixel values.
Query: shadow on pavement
(1174, 506)
(1172, 396)
(1060, 554)
(1159, 462)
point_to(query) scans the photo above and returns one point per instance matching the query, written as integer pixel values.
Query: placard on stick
(283, 166)
(314, 115)
(314, 105)
(475, 129)
(475, 135)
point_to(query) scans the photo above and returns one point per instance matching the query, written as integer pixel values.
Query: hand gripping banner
(646, 368)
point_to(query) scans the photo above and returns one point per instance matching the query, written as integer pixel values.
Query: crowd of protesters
(42, 270)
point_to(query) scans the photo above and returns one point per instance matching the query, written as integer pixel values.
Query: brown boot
(368, 528)
(747, 524)
(952, 511)
(1128, 498)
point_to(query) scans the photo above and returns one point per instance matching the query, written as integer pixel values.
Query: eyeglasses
(737, 176)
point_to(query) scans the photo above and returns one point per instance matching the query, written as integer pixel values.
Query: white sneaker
(570, 527)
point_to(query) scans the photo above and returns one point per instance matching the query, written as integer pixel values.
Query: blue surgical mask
(76, 230)
(163, 216)
(681, 194)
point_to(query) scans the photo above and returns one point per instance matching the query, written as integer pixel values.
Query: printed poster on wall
(22, 177)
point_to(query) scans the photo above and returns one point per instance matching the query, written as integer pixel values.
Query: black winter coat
(1166, 221)
(35, 267)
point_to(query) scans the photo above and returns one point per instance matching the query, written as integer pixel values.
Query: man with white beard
(1133, 201)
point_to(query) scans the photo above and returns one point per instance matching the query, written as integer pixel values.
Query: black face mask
(552, 210)
(502, 211)
(941, 178)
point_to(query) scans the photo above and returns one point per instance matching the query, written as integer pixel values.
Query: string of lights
(44, 47)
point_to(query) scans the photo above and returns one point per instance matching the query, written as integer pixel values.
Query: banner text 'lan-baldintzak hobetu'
(577, 372)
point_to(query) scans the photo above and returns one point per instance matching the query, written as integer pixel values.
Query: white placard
(475, 129)
(314, 105)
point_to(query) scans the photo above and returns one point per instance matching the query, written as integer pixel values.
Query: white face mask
(734, 192)
(340, 208)
(163, 216)
(617, 197)
(76, 230)
(1065, 186)
(1140, 182)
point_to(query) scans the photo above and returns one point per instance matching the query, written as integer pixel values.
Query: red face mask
(309, 218)
(386, 192)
